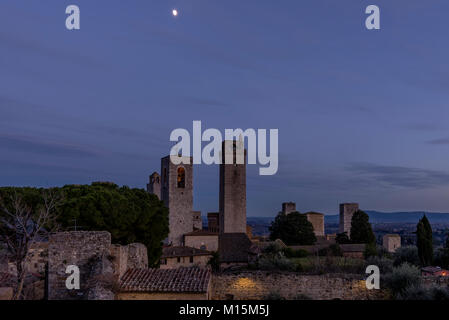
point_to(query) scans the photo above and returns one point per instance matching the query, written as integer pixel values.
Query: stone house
(202, 239)
(175, 257)
(236, 249)
(391, 242)
(434, 272)
(165, 284)
(355, 250)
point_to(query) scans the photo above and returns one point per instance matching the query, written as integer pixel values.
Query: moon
(175, 13)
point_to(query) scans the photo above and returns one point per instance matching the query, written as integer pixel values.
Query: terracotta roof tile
(186, 280)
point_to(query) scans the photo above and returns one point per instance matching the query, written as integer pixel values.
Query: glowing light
(175, 13)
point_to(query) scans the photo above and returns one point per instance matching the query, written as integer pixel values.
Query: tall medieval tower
(177, 194)
(154, 187)
(232, 213)
(347, 210)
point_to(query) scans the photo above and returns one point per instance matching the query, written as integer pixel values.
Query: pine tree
(292, 228)
(361, 231)
(424, 241)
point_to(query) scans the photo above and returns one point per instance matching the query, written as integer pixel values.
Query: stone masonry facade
(347, 210)
(257, 285)
(177, 194)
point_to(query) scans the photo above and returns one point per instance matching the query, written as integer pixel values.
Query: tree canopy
(130, 215)
(292, 229)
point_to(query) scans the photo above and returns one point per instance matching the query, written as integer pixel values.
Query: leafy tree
(130, 215)
(424, 241)
(361, 231)
(292, 228)
(342, 238)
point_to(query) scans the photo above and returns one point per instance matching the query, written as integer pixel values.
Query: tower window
(181, 177)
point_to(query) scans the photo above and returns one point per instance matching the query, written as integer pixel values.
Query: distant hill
(375, 217)
(398, 217)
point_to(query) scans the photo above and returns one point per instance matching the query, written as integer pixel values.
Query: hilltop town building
(154, 187)
(177, 194)
(391, 242)
(232, 214)
(347, 210)
(317, 221)
(197, 220)
(288, 207)
(175, 257)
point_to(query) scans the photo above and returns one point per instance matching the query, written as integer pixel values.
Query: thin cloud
(31, 145)
(400, 176)
(442, 141)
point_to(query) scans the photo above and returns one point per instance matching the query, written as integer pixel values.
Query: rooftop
(186, 280)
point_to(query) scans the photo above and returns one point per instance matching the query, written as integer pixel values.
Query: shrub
(273, 295)
(418, 292)
(370, 250)
(385, 265)
(291, 253)
(273, 248)
(276, 262)
(333, 250)
(402, 277)
(441, 257)
(407, 254)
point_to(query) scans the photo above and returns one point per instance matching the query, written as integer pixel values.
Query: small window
(191, 259)
(181, 177)
(179, 259)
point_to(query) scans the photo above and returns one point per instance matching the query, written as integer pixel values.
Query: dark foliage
(292, 229)
(424, 241)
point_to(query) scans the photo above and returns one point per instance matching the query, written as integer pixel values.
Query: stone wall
(81, 248)
(161, 296)
(257, 285)
(205, 242)
(137, 256)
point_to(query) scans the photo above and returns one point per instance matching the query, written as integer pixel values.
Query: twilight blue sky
(362, 115)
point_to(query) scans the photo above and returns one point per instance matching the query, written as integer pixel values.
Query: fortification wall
(258, 284)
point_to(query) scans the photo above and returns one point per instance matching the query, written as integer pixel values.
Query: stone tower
(346, 212)
(232, 211)
(154, 187)
(177, 194)
(288, 207)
